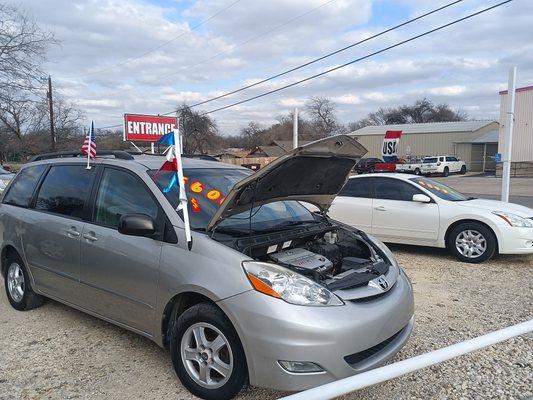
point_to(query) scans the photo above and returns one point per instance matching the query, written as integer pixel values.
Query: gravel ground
(59, 353)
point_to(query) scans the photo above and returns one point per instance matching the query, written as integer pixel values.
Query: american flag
(89, 145)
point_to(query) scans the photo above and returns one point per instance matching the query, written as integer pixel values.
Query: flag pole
(181, 181)
(89, 136)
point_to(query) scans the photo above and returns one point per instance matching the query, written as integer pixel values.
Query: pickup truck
(412, 167)
(444, 165)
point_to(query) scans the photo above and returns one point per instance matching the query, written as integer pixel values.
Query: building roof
(430, 127)
(269, 151)
(489, 137)
(522, 89)
(287, 144)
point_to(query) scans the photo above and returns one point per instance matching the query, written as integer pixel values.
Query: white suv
(444, 165)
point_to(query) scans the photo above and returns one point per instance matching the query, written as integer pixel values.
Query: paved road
(522, 200)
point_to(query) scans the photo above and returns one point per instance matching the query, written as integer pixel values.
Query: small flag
(167, 139)
(173, 163)
(89, 145)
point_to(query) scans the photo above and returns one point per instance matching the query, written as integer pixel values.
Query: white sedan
(404, 209)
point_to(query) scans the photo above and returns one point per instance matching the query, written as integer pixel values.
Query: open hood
(314, 173)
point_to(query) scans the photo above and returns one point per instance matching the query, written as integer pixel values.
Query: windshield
(430, 160)
(440, 190)
(206, 189)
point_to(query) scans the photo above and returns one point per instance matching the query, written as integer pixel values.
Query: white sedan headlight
(282, 283)
(514, 220)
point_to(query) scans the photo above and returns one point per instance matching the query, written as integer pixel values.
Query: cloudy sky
(148, 56)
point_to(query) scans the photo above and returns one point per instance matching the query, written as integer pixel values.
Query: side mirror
(421, 198)
(136, 225)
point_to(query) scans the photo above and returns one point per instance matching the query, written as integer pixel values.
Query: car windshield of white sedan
(438, 189)
(206, 189)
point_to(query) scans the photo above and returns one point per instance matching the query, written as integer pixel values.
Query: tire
(465, 236)
(446, 171)
(428, 174)
(463, 170)
(216, 327)
(417, 171)
(18, 286)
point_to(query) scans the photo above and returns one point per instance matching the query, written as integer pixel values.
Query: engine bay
(331, 255)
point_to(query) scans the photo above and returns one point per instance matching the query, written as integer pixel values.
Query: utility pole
(295, 129)
(51, 107)
(508, 136)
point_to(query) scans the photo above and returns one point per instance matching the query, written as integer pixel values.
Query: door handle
(90, 237)
(380, 208)
(72, 232)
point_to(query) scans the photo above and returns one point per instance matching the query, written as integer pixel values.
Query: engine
(335, 260)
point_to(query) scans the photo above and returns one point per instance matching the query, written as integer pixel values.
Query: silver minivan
(269, 293)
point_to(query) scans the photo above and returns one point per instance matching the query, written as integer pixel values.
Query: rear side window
(65, 190)
(361, 187)
(394, 189)
(21, 190)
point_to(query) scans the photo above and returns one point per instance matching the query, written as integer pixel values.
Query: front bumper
(513, 240)
(343, 340)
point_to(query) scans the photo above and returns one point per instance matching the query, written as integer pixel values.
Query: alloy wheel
(206, 355)
(471, 243)
(15, 282)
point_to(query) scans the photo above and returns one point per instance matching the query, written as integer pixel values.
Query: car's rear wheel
(463, 170)
(417, 171)
(207, 354)
(472, 242)
(446, 171)
(18, 287)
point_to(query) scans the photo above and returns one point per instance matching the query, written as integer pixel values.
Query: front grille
(356, 358)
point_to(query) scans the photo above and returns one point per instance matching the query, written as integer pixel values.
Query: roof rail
(120, 154)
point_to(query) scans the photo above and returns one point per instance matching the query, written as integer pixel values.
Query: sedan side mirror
(421, 198)
(136, 225)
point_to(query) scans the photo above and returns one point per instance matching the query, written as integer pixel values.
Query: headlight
(383, 248)
(514, 220)
(282, 283)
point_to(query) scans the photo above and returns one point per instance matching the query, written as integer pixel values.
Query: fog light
(300, 367)
(529, 243)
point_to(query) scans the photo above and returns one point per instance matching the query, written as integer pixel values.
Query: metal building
(522, 149)
(475, 142)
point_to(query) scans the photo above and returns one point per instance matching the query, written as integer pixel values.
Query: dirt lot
(59, 353)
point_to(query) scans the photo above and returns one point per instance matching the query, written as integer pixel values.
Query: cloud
(142, 56)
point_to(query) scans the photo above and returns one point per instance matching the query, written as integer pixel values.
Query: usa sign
(147, 128)
(390, 146)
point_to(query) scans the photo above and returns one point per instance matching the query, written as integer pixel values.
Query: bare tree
(23, 47)
(200, 132)
(322, 112)
(423, 110)
(251, 135)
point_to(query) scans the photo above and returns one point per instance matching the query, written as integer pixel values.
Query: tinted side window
(451, 159)
(122, 193)
(65, 189)
(394, 189)
(361, 187)
(21, 190)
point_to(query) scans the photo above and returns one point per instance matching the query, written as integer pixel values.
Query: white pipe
(347, 385)
(295, 129)
(508, 138)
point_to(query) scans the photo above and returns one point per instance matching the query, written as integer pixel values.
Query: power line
(327, 55)
(185, 32)
(345, 64)
(262, 34)
(358, 59)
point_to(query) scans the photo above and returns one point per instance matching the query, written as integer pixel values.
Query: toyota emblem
(382, 282)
